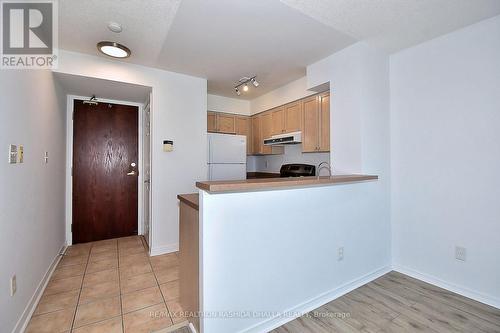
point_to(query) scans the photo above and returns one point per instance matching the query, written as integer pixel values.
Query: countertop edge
(280, 183)
(191, 199)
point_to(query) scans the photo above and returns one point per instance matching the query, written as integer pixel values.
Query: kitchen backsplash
(293, 154)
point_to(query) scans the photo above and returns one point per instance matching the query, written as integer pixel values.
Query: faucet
(325, 165)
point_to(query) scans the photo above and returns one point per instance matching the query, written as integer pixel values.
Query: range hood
(284, 139)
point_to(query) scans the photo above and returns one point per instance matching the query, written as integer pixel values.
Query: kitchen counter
(191, 199)
(279, 183)
(188, 255)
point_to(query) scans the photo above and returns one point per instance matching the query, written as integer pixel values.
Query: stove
(297, 170)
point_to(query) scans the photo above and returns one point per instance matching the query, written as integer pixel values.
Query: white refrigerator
(227, 157)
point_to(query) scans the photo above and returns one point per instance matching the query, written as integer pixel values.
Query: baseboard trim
(316, 302)
(159, 250)
(23, 321)
(463, 291)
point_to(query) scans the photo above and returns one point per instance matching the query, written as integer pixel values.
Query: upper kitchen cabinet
(293, 117)
(221, 123)
(324, 136)
(266, 130)
(256, 135)
(244, 127)
(316, 128)
(287, 118)
(262, 128)
(278, 120)
(211, 122)
(226, 123)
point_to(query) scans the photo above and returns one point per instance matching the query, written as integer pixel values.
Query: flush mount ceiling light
(244, 82)
(113, 49)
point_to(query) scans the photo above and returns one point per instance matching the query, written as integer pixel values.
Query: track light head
(243, 82)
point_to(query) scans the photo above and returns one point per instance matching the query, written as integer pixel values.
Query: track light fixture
(244, 82)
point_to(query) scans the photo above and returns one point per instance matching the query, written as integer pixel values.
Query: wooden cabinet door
(266, 130)
(244, 127)
(293, 117)
(211, 122)
(278, 121)
(310, 107)
(226, 124)
(256, 135)
(324, 119)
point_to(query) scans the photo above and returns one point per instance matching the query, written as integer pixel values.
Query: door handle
(132, 170)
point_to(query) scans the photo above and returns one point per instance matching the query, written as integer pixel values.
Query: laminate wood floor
(398, 303)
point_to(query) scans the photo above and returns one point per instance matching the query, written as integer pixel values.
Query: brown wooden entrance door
(105, 144)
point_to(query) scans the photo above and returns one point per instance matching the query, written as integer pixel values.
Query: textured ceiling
(224, 40)
(393, 25)
(83, 23)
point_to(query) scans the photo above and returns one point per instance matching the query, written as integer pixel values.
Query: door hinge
(71, 227)
(71, 171)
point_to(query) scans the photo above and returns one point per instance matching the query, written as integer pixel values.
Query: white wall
(32, 194)
(179, 109)
(288, 93)
(293, 154)
(446, 157)
(226, 104)
(293, 265)
(283, 256)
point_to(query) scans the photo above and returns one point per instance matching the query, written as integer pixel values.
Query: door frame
(69, 162)
(147, 105)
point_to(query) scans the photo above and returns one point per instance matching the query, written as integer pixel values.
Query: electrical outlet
(46, 157)
(340, 253)
(13, 285)
(460, 253)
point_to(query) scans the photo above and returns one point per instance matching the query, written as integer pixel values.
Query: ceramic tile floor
(110, 286)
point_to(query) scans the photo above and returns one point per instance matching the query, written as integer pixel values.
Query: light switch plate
(20, 154)
(12, 154)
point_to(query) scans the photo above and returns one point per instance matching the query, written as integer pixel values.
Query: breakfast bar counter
(245, 246)
(278, 183)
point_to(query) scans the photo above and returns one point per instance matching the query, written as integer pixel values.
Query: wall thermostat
(20, 154)
(168, 146)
